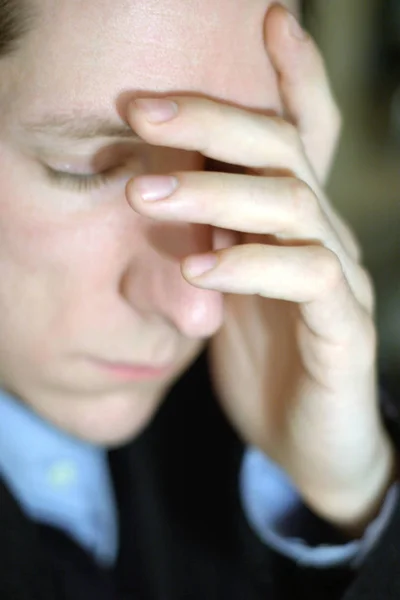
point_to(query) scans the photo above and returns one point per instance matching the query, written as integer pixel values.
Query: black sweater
(183, 535)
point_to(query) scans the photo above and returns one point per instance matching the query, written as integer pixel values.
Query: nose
(154, 285)
(161, 290)
(196, 313)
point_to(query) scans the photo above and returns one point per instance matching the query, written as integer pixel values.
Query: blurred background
(360, 40)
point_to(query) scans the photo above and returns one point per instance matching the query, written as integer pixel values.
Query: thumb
(304, 87)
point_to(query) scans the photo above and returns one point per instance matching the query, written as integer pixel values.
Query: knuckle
(327, 270)
(305, 203)
(349, 240)
(287, 131)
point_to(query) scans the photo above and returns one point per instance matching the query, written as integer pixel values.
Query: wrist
(354, 510)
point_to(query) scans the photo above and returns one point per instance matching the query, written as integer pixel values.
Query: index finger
(308, 100)
(305, 88)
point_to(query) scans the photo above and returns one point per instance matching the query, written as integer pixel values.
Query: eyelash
(80, 183)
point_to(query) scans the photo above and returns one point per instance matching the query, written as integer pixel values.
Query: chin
(98, 414)
(114, 421)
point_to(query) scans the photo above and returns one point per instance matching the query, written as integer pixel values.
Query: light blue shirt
(58, 480)
(277, 514)
(66, 483)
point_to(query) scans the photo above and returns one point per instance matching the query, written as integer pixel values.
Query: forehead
(93, 54)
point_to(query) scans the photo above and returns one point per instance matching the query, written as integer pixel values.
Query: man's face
(84, 279)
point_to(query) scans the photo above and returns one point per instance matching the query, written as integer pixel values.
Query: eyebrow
(80, 127)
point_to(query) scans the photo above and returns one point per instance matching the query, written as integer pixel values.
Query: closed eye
(81, 182)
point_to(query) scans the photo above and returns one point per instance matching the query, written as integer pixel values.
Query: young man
(164, 433)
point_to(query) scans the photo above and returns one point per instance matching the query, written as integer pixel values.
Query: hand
(294, 363)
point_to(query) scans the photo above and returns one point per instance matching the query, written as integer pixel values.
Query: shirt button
(62, 474)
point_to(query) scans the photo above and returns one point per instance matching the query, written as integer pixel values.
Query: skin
(103, 274)
(58, 245)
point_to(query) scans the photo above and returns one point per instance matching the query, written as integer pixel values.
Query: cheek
(46, 248)
(41, 237)
(58, 258)
(46, 264)
(45, 232)
(37, 243)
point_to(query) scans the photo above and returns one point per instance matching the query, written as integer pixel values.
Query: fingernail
(158, 110)
(199, 265)
(155, 187)
(295, 28)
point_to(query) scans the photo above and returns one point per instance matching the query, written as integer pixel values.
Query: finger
(230, 135)
(222, 132)
(308, 99)
(310, 275)
(284, 207)
(345, 234)
(304, 86)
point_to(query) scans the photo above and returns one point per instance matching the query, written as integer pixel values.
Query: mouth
(133, 372)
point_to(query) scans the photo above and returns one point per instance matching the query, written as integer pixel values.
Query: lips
(126, 365)
(132, 371)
